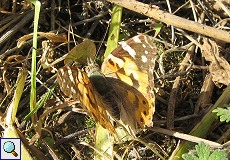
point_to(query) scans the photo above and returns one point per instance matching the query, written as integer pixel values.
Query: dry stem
(173, 20)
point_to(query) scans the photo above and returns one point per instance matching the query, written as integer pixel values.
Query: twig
(187, 137)
(72, 136)
(12, 31)
(173, 20)
(227, 11)
(205, 93)
(175, 89)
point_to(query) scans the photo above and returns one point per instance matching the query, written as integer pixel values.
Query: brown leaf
(47, 54)
(219, 67)
(54, 37)
(15, 59)
(23, 39)
(50, 36)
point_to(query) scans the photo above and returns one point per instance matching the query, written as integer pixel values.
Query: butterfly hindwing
(135, 110)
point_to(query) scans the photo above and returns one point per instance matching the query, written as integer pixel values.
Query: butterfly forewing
(131, 61)
(66, 80)
(76, 85)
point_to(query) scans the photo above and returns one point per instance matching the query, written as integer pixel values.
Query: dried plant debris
(218, 67)
(189, 66)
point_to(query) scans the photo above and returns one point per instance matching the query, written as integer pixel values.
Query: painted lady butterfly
(122, 90)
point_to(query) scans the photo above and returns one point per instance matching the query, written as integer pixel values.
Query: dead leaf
(23, 39)
(219, 67)
(47, 54)
(14, 59)
(54, 37)
(50, 36)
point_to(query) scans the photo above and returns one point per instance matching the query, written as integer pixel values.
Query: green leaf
(81, 52)
(218, 154)
(114, 30)
(223, 113)
(33, 1)
(187, 156)
(33, 96)
(203, 151)
(158, 28)
(50, 141)
(41, 103)
(104, 143)
(13, 107)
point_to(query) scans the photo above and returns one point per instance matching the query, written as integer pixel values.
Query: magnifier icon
(9, 147)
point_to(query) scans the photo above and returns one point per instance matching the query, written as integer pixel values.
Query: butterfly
(122, 91)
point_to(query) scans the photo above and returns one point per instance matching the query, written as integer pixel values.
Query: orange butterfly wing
(76, 84)
(133, 62)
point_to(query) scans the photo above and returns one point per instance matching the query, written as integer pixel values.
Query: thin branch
(173, 20)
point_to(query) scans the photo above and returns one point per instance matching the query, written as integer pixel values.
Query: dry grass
(188, 79)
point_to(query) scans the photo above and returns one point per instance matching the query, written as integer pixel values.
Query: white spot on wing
(63, 80)
(127, 48)
(144, 58)
(146, 52)
(111, 56)
(73, 90)
(143, 45)
(70, 75)
(119, 61)
(136, 39)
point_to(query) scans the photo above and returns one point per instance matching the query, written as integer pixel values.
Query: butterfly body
(121, 91)
(107, 93)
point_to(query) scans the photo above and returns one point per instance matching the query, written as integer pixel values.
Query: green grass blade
(37, 5)
(10, 131)
(12, 109)
(114, 30)
(44, 99)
